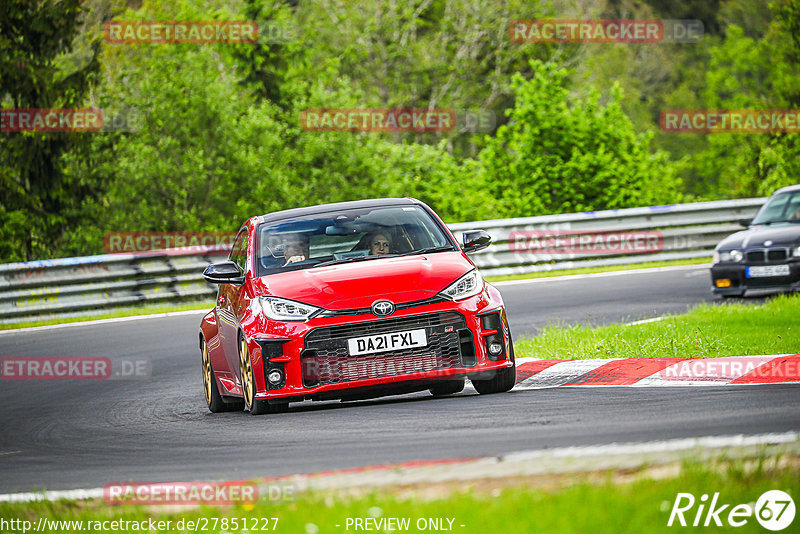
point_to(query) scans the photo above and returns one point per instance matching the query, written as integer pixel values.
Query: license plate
(387, 342)
(767, 270)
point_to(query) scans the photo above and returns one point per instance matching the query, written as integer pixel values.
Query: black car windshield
(345, 236)
(782, 208)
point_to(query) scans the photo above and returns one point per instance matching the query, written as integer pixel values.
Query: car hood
(359, 284)
(783, 234)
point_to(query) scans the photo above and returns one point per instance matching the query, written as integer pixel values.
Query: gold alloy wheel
(207, 377)
(246, 371)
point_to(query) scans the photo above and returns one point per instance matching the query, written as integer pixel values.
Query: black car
(767, 254)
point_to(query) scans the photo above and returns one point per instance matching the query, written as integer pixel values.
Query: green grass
(606, 269)
(122, 312)
(707, 331)
(612, 503)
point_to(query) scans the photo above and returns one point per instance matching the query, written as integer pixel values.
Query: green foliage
(219, 139)
(560, 154)
(753, 73)
(39, 198)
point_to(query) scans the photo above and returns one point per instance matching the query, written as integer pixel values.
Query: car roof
(788, 189)
(325, 208)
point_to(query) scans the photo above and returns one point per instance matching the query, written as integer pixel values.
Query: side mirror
(225, 272)
(475, 240)
(745, 222)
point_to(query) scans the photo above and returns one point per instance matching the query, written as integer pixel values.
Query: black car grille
(326, 358)
(776, 254)
(767, 255)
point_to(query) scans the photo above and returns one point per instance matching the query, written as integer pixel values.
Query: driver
(295, 248)
(378, 244)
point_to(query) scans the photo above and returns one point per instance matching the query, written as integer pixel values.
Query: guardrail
(82, 286)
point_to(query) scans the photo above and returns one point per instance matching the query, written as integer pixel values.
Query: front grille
(767, 255)
(326, 358)
(776, 254)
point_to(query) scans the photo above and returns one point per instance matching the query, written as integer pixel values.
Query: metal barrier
(82, 286)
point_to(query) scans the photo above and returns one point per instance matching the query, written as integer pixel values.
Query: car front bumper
(730, 279)
(313, 360)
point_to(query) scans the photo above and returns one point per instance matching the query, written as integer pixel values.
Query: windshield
(780, 208)
(345, 236)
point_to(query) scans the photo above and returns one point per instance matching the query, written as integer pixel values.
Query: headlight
(796, 252)
(279, 309)
(467, 286)
(728, 255)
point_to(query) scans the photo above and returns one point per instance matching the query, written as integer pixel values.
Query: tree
(559, 154)
(39, 198)
(759, 74)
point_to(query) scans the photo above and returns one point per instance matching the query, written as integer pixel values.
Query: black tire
(447, 387)
(503, 380)
(215, 402)
(251, 404)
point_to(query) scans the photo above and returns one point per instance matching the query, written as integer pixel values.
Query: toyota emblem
(383, 308)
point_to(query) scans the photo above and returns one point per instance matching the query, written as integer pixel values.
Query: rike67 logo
(774, 510)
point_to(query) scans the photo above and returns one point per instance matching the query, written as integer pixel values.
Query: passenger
(295, 248)
(378, 244)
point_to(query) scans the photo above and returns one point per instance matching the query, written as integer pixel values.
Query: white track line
(645, 321)
(712, 442)
(105, 321)
(602, 275)
(511, 464)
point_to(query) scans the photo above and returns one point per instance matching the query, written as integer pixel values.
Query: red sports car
(351, 301)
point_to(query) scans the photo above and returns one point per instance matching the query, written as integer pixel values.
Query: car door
(227, 297)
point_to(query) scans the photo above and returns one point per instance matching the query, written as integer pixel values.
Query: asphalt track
(602, 299)
(66, 435)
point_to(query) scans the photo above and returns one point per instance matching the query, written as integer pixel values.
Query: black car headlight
(734, 255)
(467, 286)
(279, 309)
(796, 252)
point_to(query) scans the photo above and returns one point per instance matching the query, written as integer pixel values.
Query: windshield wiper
(428, 250)
(348, 260)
